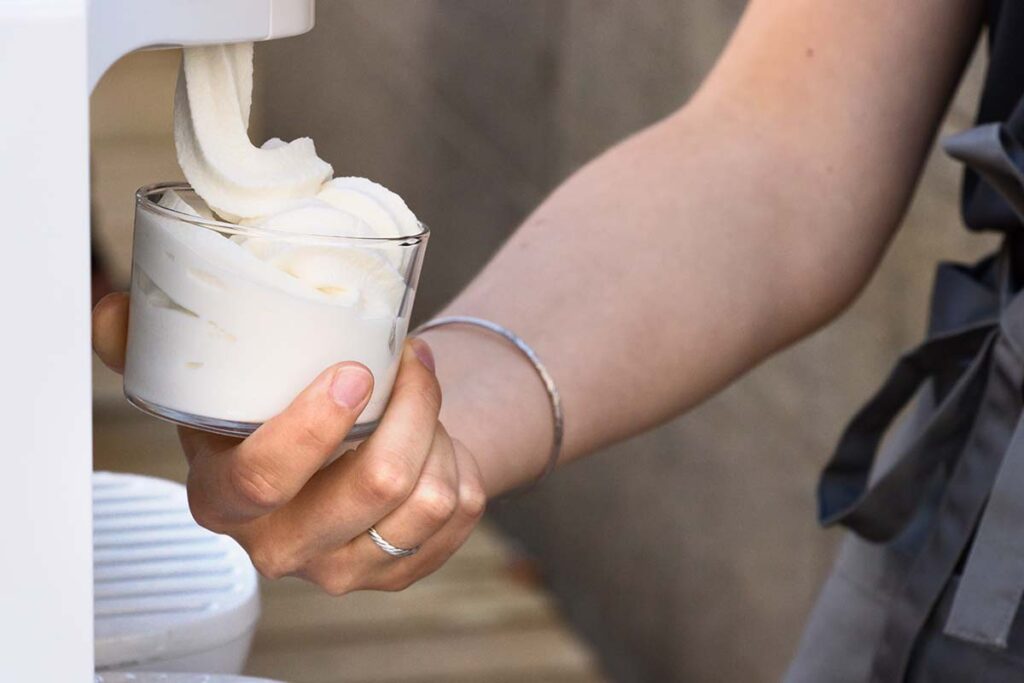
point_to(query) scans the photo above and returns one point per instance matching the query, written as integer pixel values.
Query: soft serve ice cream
(271, 271)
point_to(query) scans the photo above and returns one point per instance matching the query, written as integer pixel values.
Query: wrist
(494, 403)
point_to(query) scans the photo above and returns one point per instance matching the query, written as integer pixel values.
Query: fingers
(434, 552)
(362, 487)
(294, 516)
(320, 520)
(110, 329)
(406, 431)
(268, 469)
(362, 565)
(432, 502)
(195, 442)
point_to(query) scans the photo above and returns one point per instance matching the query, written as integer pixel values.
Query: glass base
(226, 427)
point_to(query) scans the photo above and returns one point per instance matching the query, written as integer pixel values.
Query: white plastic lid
(124, 677)
(164, 586)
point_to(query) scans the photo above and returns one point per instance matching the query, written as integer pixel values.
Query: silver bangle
(550, 387)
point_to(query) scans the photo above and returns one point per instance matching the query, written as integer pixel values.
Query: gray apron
(929, 584)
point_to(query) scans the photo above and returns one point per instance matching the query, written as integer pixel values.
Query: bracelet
(557, 415)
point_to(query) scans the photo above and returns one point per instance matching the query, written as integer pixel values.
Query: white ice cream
(232, 327)
(235, 178)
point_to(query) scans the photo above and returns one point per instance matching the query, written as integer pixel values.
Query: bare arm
(695, 249)
(649, 280)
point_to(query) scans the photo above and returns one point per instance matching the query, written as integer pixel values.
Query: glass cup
(228, 323)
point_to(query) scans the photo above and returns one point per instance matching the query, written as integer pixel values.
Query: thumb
(110, 329)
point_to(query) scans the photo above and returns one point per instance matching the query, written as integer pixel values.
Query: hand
(297, 517)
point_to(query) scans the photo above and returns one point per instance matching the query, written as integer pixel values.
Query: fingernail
(350, 386)
(423, 352)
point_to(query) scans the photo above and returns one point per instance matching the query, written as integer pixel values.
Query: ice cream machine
(52, 54)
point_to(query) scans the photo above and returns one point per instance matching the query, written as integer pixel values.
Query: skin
(721, 234)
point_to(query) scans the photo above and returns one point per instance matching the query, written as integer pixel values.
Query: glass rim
(143, 198)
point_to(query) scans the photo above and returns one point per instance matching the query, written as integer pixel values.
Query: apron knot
(967, 442)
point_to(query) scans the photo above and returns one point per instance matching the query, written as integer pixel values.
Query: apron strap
(992, 584)
(962, 502)
(880, 512)
(967, 295)
(976, 433)
(965, 303)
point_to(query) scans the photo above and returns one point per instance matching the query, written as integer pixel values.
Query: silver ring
(392, 550)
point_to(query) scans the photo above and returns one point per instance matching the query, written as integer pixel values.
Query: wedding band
(392, 550)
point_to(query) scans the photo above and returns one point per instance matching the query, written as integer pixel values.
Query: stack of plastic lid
(118, 677)
(170, 596)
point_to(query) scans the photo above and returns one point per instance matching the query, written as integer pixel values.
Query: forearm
(682, 257)
(651, 279)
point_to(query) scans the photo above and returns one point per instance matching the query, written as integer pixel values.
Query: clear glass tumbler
(229, 323)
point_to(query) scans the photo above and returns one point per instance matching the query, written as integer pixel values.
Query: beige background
(690, 553)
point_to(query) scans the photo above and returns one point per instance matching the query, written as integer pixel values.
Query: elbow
(830, 231)
(822, 279)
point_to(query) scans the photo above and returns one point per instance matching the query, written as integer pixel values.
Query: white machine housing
(52, 53)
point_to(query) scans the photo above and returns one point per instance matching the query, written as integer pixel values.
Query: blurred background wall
(688, 554)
